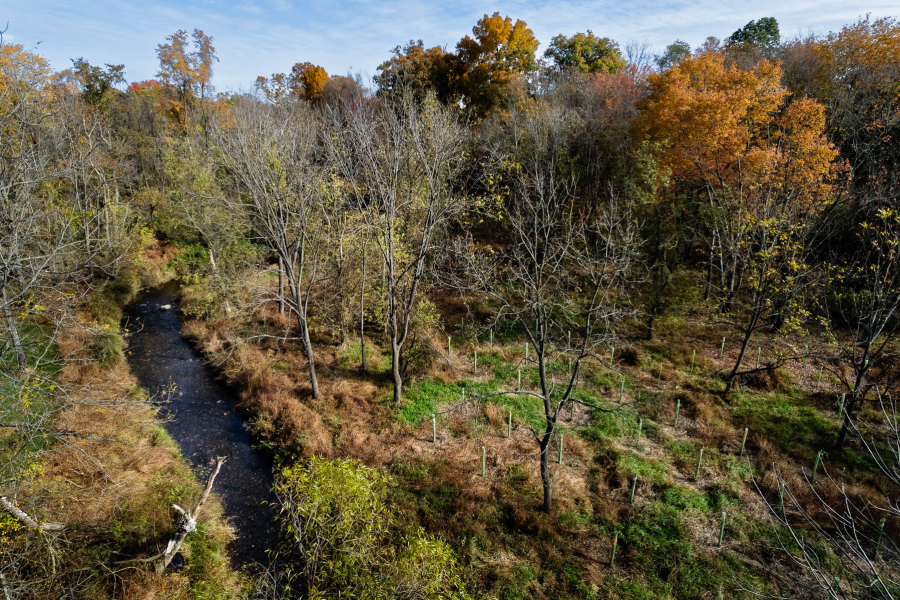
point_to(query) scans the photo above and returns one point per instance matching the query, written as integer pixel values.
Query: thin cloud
(259, 37)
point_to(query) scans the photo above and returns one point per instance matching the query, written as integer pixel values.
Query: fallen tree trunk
(22, 516)
(188, 524)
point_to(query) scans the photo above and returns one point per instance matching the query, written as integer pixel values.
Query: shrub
(345, 540)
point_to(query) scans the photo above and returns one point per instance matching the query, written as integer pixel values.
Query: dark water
(204, 420)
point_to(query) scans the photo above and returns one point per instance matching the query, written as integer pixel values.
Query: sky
(261, 37)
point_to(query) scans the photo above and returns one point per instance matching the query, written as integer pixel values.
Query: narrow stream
(204, 419)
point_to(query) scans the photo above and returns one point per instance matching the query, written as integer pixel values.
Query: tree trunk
(545, 472)
(737, 365)
(280, 286)
(13, 331)
(849, 406)
(395, 370)
(308, 349)
(362, 315)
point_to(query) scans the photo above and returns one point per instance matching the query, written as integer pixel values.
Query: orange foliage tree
(500, 52)
(761, 169)
(308, 80)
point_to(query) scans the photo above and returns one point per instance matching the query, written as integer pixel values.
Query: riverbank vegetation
(597, 324)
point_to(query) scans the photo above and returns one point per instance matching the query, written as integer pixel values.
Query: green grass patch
(645, 468)
(423, 398)
(787, 420)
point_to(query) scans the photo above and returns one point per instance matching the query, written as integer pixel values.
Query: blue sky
(259, 37)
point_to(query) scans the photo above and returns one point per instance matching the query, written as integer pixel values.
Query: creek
(203, 418)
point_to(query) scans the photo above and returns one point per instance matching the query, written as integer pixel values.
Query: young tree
(859, 309)
(565, 268)
(401, 160)
(839, 543)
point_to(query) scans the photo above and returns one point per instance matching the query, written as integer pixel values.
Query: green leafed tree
(674, 54)
(96, 83)
(585, 52)
(763, 34)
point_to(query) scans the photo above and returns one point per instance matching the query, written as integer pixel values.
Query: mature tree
(97, 83)
(272, 153)
(674, 54)
(418, 70)
(500, 52)
(585, 52)
(188, 71)
(556, 246)
(308, 80)
(855, 72)
(276, 88)
(762, 34)
(401, 160)
(348, 91)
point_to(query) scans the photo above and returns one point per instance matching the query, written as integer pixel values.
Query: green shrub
(343, 539)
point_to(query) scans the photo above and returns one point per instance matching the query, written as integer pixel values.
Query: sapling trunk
(280, 286)
(722, 530)
(395, 372)
(878, 542)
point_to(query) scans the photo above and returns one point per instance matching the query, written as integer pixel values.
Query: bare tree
(272, 154)
(836, 539)
(401, 160)
(564, 268)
